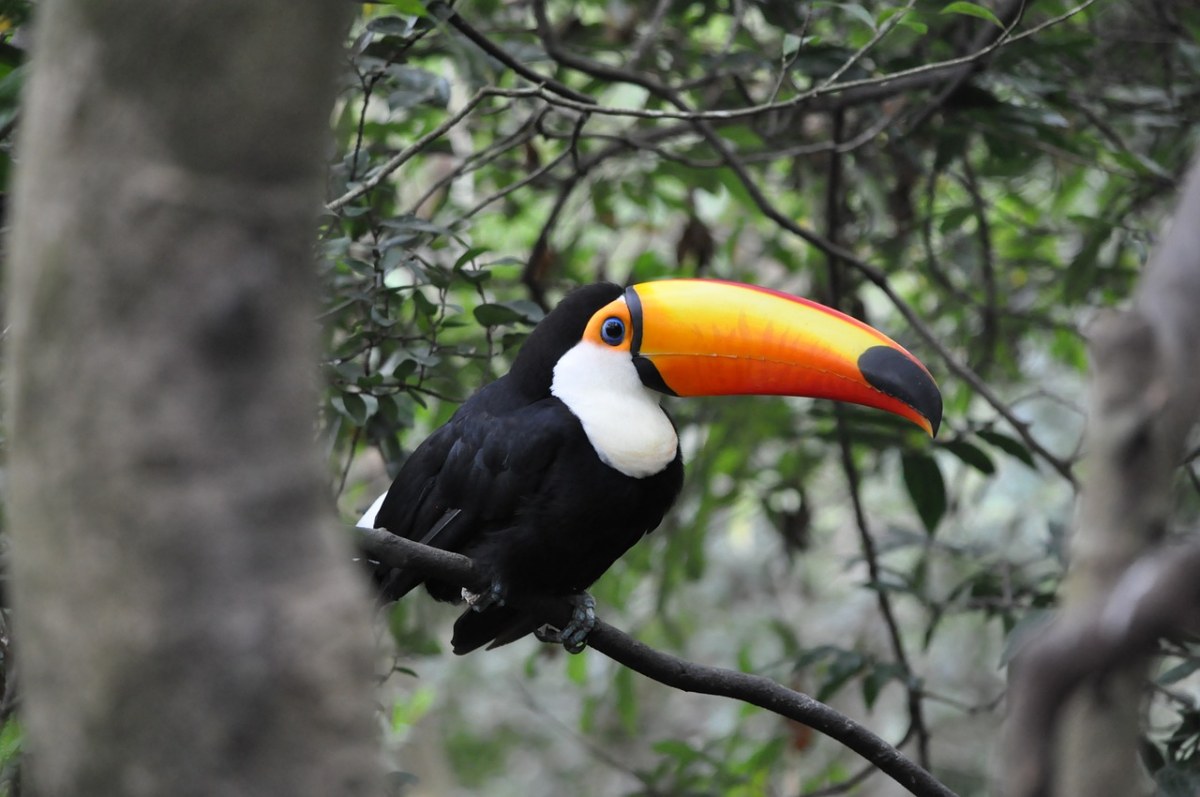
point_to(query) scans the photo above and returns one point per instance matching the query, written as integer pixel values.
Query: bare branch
(402, 157)
(667, 669)
(456, 21)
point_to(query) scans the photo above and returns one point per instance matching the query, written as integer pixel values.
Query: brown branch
(667, 669)
(836, 96)
(456, 21)
(837, 296)
(989, 331)
(477, 160)
(402, 157)
(985, 43)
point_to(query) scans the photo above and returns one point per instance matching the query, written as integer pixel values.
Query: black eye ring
(612, 331)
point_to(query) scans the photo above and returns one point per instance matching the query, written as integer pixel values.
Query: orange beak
(709, 337)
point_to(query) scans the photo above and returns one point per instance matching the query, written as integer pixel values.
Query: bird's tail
(498, 625)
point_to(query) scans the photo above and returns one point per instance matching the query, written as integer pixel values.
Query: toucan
(550, 473)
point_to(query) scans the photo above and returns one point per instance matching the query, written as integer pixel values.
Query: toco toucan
(547, 475)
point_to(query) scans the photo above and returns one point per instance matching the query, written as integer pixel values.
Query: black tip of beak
(895, 374)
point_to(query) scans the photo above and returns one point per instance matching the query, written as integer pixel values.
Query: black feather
(513, 482)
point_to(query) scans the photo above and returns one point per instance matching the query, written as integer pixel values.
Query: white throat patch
(621, 416)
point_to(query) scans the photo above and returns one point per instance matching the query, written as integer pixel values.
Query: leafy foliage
(973, 180)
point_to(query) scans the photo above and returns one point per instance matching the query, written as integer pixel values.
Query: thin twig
(508, 189)
(402, 157)
(839, 95)
(989, 333)
(477, 160)
(833, 204)
(456, 21)
(650, 34)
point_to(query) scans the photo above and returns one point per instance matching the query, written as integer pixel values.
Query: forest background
(981, 181)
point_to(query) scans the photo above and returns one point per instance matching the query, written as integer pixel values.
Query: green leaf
(845, 666)
(1081, 272)
(791, 44)
(627, 708)
(469, 256)
(858, 12)
(877, 678)
(414, 8)
(972, 10)
(355, 407)
(10, 740)
(954, 218)
(908, 18)
(972, 455)
(425, 306)
(1178, 672)
(391, 25)
(1011, 446)
(490, 315)
(923, 478)
(577, 668)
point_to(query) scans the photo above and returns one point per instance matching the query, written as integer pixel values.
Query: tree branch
(667, 669)
(402, 157)
(837, 297)
(456, 21)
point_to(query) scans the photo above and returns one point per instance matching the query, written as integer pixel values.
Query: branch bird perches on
(668, 670)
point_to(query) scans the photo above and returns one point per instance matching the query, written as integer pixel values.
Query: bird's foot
(480, 601)
(583, 621)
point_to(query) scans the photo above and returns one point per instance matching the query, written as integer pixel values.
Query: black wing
(468, 479)
(518, 487)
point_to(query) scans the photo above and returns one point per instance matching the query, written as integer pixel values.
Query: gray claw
(482, 601)
(583, 620)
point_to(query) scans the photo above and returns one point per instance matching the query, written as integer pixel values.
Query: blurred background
(976, 180)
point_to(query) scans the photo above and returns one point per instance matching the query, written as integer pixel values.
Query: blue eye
(612, 331)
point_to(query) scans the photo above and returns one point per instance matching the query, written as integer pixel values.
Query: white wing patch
(367, 521)
(621, 416)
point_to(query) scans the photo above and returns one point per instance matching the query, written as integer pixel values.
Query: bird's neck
(620, 416)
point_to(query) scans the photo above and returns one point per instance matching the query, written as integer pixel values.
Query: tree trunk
(1145, 400)
(187, 621)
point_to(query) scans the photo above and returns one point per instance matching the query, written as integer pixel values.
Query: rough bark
(187, 620)
(1145, 399)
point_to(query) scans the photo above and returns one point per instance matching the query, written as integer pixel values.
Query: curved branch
(456, 21)
(824, 97)
(833, 220)
(667, 669)
(836, 96)
(402, 157)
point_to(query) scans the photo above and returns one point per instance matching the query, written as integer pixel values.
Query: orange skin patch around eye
(614, 309)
